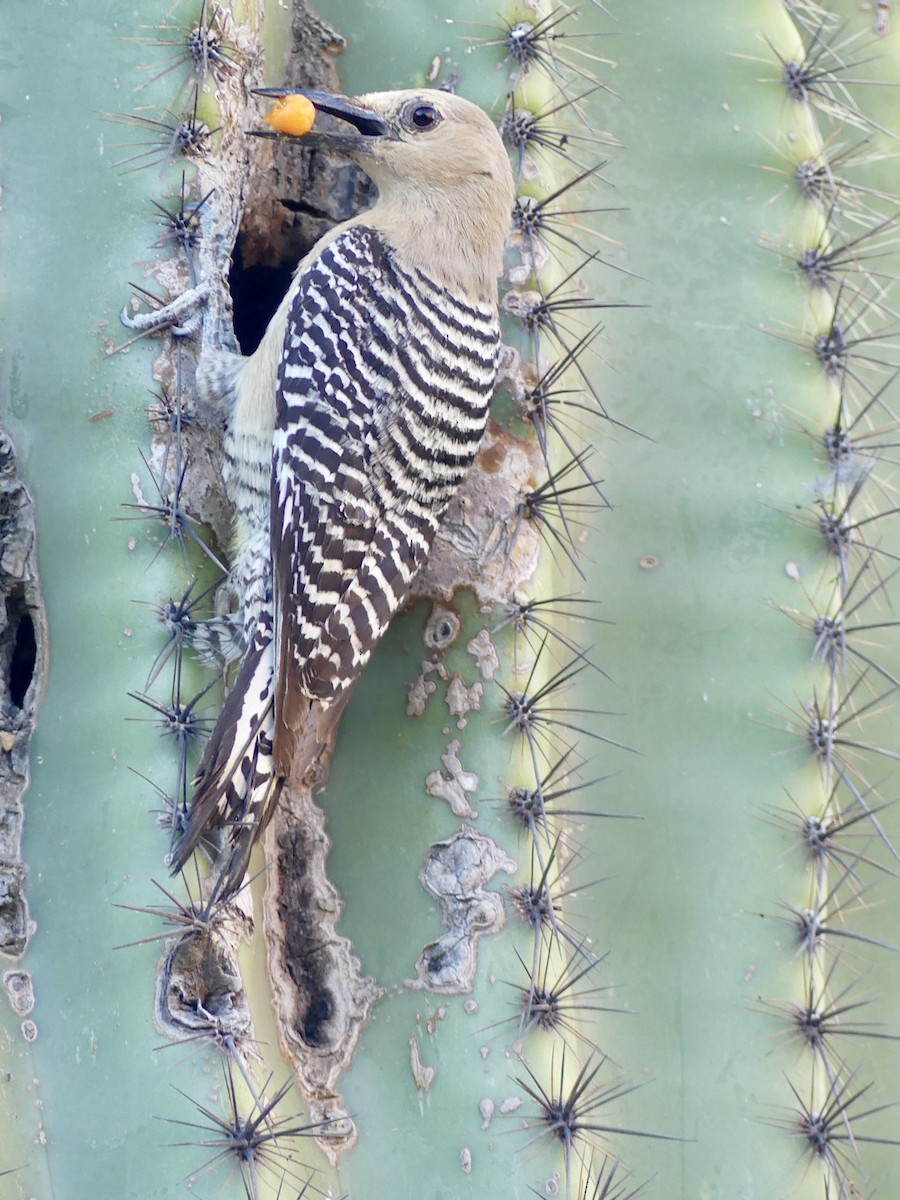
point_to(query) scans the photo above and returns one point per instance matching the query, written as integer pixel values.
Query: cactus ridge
(846, 248)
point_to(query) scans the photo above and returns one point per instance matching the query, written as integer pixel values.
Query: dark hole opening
(316, 1021)
(316, 195)
(24, 648)
(256, 292)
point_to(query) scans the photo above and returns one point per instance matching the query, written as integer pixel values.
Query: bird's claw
(182, 315)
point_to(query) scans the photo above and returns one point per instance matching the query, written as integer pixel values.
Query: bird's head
(442, 171)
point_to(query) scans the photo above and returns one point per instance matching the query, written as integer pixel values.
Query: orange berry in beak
(292, 114)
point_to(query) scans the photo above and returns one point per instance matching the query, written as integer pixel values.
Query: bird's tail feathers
(236, 785)
(230, 871)
(242, 773)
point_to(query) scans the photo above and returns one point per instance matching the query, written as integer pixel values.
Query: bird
(349, 430)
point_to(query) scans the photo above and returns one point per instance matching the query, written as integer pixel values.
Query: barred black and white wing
(382, 401)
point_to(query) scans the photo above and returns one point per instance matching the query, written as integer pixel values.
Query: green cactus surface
(599, 897)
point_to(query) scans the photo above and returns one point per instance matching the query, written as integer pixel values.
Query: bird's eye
(424, 116)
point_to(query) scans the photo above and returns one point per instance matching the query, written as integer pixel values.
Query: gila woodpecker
(351, 428)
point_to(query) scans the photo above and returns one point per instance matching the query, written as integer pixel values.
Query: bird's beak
(368, 125)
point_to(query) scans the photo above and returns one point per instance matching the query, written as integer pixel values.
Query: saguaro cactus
(465, 966)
